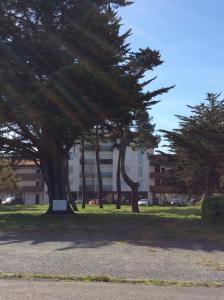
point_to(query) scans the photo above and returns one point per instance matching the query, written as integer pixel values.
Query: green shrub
(212, 209)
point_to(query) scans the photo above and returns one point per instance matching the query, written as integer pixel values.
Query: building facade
(137, 166)
(30, 187)
(32, 190)
(162, 188)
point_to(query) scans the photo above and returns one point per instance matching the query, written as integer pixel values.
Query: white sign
(59, 205)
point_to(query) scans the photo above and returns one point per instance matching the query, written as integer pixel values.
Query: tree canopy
(65, 67)
(198, 145)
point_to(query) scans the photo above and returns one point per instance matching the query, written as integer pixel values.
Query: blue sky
(190, 37)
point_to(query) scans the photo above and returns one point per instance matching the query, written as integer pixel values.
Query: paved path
(36, 290)
(73, 255)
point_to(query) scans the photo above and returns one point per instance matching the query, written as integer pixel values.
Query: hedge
(212, 209)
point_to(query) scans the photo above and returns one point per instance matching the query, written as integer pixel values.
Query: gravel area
(35, 290)
(46, 253)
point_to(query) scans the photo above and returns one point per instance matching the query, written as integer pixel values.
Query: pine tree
(60, 75)
(65, 68)
(198, 145)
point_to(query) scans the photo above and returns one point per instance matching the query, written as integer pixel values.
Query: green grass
(108, 279)
(154, 223)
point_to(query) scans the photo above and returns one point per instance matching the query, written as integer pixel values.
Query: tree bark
(133, 185)
(118, 203)
(83, 173)
(53, 166)
(99, 175)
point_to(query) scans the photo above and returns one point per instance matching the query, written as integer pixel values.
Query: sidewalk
(77, 255)
(36, 290)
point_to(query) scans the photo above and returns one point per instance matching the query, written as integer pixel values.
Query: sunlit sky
(190, 37)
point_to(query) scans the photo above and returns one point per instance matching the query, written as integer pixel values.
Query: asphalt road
(43, 253)
(36, 290)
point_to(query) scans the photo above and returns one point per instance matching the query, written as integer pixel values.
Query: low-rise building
(162, 187)
(30, 186)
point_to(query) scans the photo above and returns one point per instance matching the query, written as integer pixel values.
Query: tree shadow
(97, 230)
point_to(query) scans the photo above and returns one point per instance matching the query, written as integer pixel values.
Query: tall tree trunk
(133, 185)
(53, 166)
(118, 203)
(99, 175)
(83, 173)
(70, 198)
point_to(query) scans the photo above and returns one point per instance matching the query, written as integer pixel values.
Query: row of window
(102, 161)
(94, 188)
(94, 174)
(102, 148)
(71, 155)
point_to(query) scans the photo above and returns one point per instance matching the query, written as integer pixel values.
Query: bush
(212, 209)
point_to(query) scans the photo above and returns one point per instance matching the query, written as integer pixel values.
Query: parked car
(12, 201)
(94, 201)
(145, 202)
(178, 202)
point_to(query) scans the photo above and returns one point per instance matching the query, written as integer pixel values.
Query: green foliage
(212, 209)
(198, 145)
(144, 137)
(8, 178)
(65, 68)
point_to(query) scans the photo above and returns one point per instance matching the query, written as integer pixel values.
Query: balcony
(24, 189)
(103, 161)
(94, 188)
(102, 148)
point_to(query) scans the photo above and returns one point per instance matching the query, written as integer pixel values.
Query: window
(106, 161)
(70, 156)
(107, 174)
(105, 148)
(38, 171)
(37, 183)
(163, 170)
(157, 169)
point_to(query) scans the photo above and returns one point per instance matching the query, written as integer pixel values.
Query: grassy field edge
(108, 279)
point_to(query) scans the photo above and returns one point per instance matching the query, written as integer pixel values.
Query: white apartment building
(137, 166)
(32, 190)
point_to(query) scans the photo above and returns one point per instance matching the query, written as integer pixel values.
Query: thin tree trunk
(133, 185)
(70, 198)
(118, 203)
(99, 175)
(83, 173)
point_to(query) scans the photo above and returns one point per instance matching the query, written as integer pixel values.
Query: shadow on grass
(178, 212)
(93, 230)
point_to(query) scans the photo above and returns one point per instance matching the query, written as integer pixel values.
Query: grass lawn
(154, 223)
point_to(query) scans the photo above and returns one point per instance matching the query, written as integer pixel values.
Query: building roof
(26, 163)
